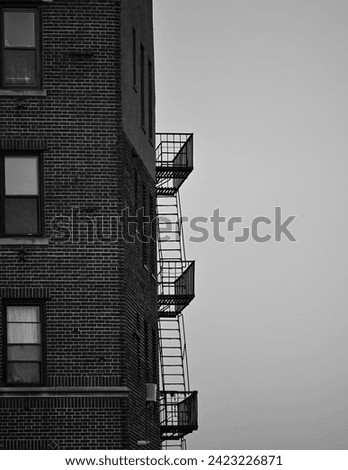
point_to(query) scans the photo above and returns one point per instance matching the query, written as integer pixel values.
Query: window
(146, 351)
(134, 39)
(150, 99)
(23, 343)
(137, 335)
(142, 85)
(20, 55)
(154, 355)
(152, 235)
(21, 195)
(136, 191)
(144, 228)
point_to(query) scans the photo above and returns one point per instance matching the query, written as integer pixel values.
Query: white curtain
(23, 314)
(22, 325)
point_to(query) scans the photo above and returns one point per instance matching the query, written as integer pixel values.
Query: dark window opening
(134, 39)
(142, 85)
(138, 344)
(136, 191)
(150, 100)
(154, 356)
(152, 231)
(146, 351)
(144, 228)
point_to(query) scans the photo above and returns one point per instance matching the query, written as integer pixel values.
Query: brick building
(87, 310)
(77, 283)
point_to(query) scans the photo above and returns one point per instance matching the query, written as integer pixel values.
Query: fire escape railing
(178, 404)
(178, 414)
(177, 283)
(174, 161)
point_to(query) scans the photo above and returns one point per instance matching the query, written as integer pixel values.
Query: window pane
(19, 29)
(21, 216)
(19, 67)
(19, 333)
(22, 313)
(134, 57)
(24, 353)
(142, 85)
(21, 176)
(26, 372)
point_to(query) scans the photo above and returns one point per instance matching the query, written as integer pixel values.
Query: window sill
(24, 241)
(26, 391)
(33, 1)
(40, 93)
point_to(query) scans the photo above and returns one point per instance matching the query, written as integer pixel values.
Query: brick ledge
(23, 93)
(24, 241)
(52, 392)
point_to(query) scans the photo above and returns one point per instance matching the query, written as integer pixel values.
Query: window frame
(22, 7)
(150, 87)
(40, 196)
(152, 234)
(154, 354)
(142, 89)
(143, 232)
(24, 303)
(146, 352)
(134, 59)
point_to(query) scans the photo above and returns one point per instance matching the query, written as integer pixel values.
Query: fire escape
(178, 404)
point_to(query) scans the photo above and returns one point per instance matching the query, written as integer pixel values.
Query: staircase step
(174, 375)
(173, 383)
(169, 329)
(168, 213)
(179, 366)
(169, 231)
(170, 249)
(168, 222)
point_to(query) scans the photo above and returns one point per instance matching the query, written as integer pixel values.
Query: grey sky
(263, 85)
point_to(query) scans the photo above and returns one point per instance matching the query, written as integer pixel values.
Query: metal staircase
(178, 405)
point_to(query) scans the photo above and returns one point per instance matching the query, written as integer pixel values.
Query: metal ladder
(173, 357)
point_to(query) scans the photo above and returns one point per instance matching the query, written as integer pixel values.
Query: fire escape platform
(182, 300)
(174, 161)
(172, 310)
(176, 286)
(179, 414)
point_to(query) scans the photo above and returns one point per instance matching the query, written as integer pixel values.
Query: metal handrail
(176, 278)
(179, 411)
(174, 150)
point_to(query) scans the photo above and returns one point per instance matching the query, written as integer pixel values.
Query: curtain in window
(23, 344)
(23, 325)
(23, 314)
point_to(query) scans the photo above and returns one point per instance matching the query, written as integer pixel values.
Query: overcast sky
(263, 86)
